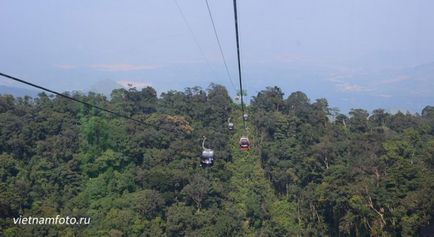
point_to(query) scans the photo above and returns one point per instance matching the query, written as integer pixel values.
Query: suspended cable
(74, 99)
(219, 44)
(196, 42)
(239, 60)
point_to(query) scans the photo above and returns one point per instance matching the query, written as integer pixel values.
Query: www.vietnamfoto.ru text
(58, 220)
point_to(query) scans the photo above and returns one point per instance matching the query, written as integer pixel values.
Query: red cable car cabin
(244, 144)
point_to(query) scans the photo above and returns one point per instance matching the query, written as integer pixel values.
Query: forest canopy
(312, 171)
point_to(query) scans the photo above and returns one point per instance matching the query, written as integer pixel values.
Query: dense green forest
(312, 171)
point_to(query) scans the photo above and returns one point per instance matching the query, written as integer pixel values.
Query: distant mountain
(423, 73)
(403, 88)
(105, 87)
(17, 92)
(408, 88)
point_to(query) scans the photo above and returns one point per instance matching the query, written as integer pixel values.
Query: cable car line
(74, 99)
(207, 158)
(219, 44)
(184, 18)
(239, 62)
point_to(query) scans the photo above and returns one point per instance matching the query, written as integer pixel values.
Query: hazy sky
(355, 53)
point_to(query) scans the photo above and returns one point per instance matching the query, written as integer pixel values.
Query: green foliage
(311, 170)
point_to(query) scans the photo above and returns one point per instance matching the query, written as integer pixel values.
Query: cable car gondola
(245, 117)
(207, 157)
(244, 143)
(230, 125)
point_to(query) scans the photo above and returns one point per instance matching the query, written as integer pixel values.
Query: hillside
(17, 92)
(311, 171)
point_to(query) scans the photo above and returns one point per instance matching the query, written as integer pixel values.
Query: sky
(355, 53)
